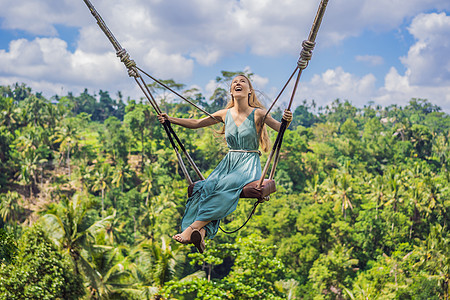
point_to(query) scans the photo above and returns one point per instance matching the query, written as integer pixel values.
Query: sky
(382, 52)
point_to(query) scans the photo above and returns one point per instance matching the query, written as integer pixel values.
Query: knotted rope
(305, 54)
(133, 72)
(305, 57)
(128, 62)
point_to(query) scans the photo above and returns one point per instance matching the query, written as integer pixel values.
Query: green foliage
(361, 210)
(303, 116)
(114, 140)
(11, 210)
(141, 122)
(255, 271)
(100, 110)
(8, 248)
(5, 154)
(331, 273)
(252, 276)
(39, 271)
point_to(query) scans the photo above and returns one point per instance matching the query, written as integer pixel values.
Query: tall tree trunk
(135, 225)
(103, 200)
(68, 159)
(143, 151)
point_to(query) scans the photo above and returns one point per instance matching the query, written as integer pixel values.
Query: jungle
(91, 193)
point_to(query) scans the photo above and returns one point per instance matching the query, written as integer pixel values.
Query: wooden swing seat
(250, 190)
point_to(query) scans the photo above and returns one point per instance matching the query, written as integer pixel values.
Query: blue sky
(382, 51)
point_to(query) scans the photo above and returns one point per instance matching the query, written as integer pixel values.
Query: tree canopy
(91, 192)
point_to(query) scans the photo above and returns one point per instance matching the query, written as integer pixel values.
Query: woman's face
(240, 87)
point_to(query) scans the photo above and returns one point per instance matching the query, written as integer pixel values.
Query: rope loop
(129, 63)
(305, 54)
(308, 45)
(265, 199)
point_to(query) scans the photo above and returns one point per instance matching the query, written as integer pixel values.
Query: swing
(260, 189)
(251, 190)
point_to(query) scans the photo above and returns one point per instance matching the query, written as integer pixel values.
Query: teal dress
(217, 196)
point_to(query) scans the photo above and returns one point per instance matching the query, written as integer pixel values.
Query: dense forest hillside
(91, 193)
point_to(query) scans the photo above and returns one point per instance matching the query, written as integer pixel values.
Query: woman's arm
(194, 123)
(271, 122)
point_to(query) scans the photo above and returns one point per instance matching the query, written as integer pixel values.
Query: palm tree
(441, 148)
(147, 182)
(434, 196)
(8, 112)
(434, 256)
(111, 264)
(34, 106)
(416, 195)
(150, 219)
(109, 235)
(68, 137)
(10, 208)
(83, 175)
(153, 265)
(338, 188)
(30, 162)
(140, 121)
(330, 186)
(394, 190)
(32, 154)
(377, 192)
(343, 192)
(394, 186)
(289, 286)
(65, 224)
(313, 187)
(120, 174)
(102, 179)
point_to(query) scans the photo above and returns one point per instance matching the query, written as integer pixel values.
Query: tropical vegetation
(91, 193)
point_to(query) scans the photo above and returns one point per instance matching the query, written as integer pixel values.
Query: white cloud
(427, 60)
(40, 17)
(201, 26)
(373, 60)
(206, 58)
(47, 62)
(427, 73)
(209, 30)
(210, 87)
(336, 83)
(427, 65)
(93, 40)
(164, 65)
(259, 82)
(349, 18)
(398, 90)
(168, 38)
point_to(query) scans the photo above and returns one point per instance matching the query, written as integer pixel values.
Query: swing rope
(255, 205)
(134, 71)
(182, 97)
(303, 61)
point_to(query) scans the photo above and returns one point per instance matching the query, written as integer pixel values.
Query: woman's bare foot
(184, 237)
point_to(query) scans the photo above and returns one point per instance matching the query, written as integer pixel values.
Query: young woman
(217, 196)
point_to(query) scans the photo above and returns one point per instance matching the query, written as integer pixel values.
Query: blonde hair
(253, 101)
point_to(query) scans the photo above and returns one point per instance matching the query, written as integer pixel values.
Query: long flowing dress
(217, 196)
